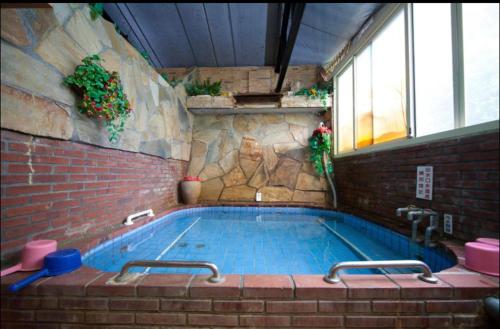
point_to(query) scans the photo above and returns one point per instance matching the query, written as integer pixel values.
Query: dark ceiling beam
(272, 32)
(297, 13)
(282, 40)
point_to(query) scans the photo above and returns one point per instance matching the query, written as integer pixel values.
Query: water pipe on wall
(329, 178)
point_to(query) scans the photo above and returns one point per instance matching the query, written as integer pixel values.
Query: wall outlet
(258, 196)
(448, 224)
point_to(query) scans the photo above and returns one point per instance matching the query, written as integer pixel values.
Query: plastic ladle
(56, 263)
(32, 257)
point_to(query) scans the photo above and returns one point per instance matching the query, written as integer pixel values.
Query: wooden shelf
(255, 110)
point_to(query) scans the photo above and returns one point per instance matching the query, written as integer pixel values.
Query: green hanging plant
(117, 29)
(96, 10)
(321, 142)
(203, 88)
(146, 56)
(173, 82)
(316, 92)
(102, 95)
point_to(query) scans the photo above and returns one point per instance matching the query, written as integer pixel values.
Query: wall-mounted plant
(203, 88)
(173, 82)
(320, 145)
(146, 56)
(316, 92)
(102, 95)
(96, 10)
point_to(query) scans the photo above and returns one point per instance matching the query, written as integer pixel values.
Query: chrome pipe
(410, 207)
(415, 222)
(427, 276)
(215, 278)
(433, 226)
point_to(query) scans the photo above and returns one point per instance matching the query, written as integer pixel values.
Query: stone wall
(41, 46)
(239, 155)
(466, 172)
(252, 79)
(59, 187)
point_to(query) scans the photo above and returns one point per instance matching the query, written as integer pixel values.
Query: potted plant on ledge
(205, 94)
(190, 189)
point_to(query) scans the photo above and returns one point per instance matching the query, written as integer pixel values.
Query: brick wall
(82, 299)
(61, 189)
(466, 176)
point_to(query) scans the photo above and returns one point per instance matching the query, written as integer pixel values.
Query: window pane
(345, 110)
(480, 43)
(433, 68)
(389, 91)
(363, 94)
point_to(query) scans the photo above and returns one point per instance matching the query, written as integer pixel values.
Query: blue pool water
(258, 240)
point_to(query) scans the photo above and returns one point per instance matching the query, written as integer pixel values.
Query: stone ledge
(205, 104)
(303, 101)
(90, 282)
(206, 101)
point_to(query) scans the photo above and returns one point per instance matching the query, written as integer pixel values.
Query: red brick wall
(466, 176)
(59, 189)
(82, 299)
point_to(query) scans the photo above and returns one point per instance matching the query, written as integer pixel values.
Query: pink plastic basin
(33, 255)
(493, 242)
(482, 258)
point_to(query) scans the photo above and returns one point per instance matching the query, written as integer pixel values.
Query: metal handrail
(215, 278)
(427, 276)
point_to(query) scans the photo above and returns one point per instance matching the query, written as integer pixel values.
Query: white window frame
(380, 21)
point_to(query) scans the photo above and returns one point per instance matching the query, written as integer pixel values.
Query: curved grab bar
(215, 278)
(427, 276)
(129, 221)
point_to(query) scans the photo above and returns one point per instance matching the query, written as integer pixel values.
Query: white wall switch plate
(448, 224)
(258, 196)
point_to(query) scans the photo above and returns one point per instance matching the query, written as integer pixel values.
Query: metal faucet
(410, 207)
(433, 226)
(416, 215)
(412, 211)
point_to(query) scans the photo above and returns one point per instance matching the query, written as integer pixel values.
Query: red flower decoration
(322, 130)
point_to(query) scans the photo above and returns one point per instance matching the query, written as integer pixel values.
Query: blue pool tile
(257, 240)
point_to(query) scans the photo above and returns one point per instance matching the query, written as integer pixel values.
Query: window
(450, 81)
(480, 45)
(433, 68)
(364, 116)
(345, 110)
(389, 86)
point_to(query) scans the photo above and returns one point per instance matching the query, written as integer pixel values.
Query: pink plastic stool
(482, 258)
(493, 242)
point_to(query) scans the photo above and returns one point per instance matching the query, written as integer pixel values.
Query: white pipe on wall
(129, 221)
